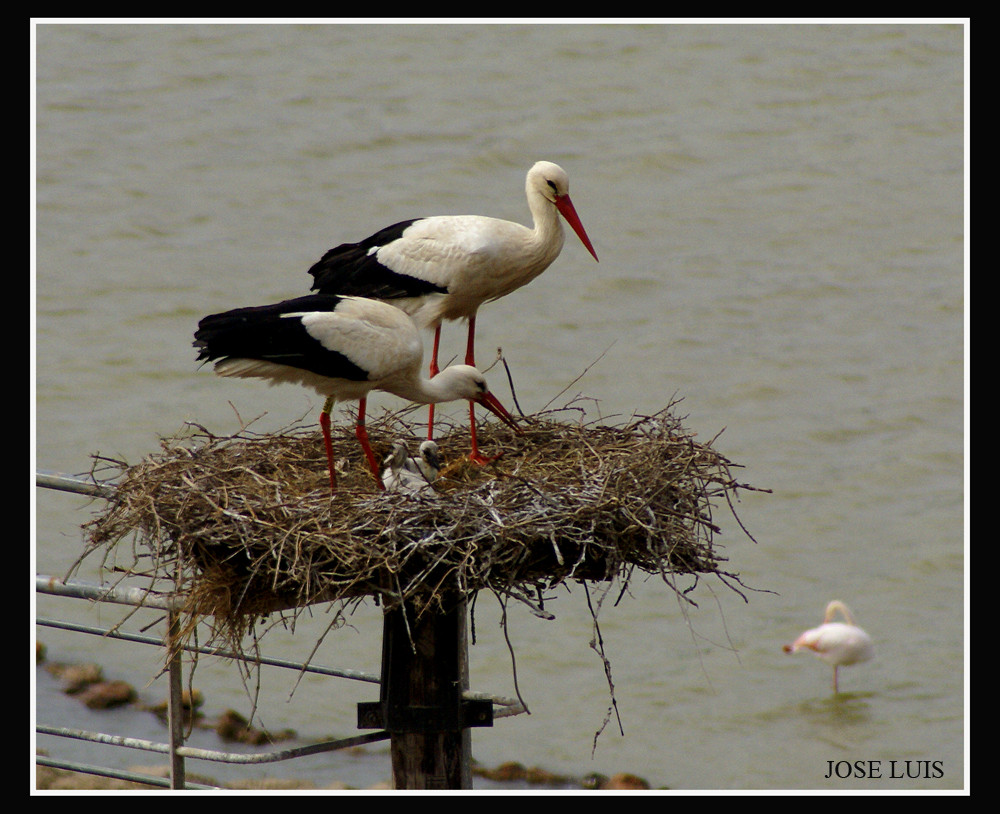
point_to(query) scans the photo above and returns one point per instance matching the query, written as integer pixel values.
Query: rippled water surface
(778, 210)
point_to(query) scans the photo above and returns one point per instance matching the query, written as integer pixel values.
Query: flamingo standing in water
(836, 643)
(343, 348)
(445, 267)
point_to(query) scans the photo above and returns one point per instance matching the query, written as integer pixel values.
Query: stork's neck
(547, 235)
(450, 384)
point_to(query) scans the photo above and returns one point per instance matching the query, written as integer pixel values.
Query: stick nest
(245, 525)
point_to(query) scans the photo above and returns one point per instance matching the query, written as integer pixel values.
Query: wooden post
(424, 671)
(425, 681)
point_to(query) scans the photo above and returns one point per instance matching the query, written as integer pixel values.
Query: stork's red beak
(566, 209)
(490, 402)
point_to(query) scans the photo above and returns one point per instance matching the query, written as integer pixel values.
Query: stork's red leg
(434, 371)
(470, 359)
(475, 455)
(470, 347)
(362, 435)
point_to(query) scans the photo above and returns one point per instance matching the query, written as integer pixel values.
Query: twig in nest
(577, 378)
(510, 649)
(597, 645)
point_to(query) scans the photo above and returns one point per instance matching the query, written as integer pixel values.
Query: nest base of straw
(245, 525)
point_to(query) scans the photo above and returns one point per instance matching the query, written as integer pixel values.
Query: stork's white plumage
(445, 267)
(343, 348)
(836, 643)
(405, 474)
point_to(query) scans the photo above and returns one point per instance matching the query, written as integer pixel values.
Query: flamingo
(343, 348)
(836, 643)
(445, 267)
(406, 474)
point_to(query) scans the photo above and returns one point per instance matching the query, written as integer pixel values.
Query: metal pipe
(121, 595)
(175, 703)
(355, 675)
(211, 754)
(72, 483)
(117, 774)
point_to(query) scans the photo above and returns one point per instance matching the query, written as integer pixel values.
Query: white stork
(445, 267)
(836, 643)
(405, 474)
(343, 348)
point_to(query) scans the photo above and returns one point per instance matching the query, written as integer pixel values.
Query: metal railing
(175, 748)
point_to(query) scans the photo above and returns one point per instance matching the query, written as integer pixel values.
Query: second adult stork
(343, 348)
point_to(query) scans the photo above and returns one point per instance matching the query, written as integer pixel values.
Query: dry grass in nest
(242, 526)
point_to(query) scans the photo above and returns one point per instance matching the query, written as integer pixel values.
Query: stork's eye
(552, 186)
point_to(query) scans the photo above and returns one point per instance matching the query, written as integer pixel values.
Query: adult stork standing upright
(445, 267)
(343, 348)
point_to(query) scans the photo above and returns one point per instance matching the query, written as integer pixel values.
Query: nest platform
(245, 525)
